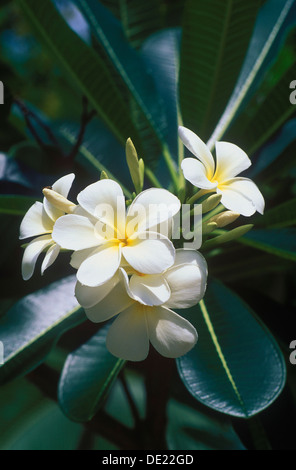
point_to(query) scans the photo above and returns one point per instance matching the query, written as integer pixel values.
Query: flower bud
(59, 201)
(209, 227)
(225, 218)
(136, 166)
(104, 175)
(211, 203)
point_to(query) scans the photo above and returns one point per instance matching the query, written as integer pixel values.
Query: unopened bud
(209, 227)
(211, 203)
(228, 236)
(136, 166)
(225, 218)
(59, 201)
(104, 175)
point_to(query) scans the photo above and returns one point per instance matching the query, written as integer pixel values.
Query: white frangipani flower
(110, 235)
(239, 195)
(39, 222)
(144, 308)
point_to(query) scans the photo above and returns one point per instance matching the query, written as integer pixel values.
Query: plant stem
(171, 166)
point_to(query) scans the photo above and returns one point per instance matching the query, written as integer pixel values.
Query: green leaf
(95, 152)
(33, 325)
(87, 377)
(139, 19)
(128, 63)
(216, 36)
(278, 242)
(15, 205)
(236, 367)
(161, 53)
(84, 67)
(189, 429)
(272, 22)
(281, 216)
(270, 106)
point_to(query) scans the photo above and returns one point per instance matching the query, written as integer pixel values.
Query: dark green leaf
(216, 36)
(236, 367)
(278, 242)
(161, 54)
(270, 106)
(15, 205)
(139, 19)
(269, 155)
(83, 66)
(281, 216)
(87, 377)
(273, 21)
(33, 325)
(128, 63)
(189, 429)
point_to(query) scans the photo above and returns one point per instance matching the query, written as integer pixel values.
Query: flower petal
(90, 296)
(36, 222)
(127, 337)
(198, 148)
(75, 232)
(62, 186)
(150, 208)
(241, 195)
(79, 256)
(170, 334)
(187, 283)
(50, 257)
(31, 253)
(105, 201)
(100, 266)
(150, 253)
(116, 301)
(196, 173)
(150, 289)
(231, 161)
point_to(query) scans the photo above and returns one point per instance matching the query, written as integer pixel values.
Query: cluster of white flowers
(126, 264)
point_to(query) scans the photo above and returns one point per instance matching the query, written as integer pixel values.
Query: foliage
(80, 79)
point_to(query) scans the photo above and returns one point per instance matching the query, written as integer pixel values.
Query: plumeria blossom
(110, 235)
(39, 222)
(239, 195)
(144, 304)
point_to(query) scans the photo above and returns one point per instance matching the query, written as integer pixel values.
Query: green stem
(197, 196)
(170, 165)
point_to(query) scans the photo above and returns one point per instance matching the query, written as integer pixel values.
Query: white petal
(196, 173)
(187, 256)
(62, 186)
(75, 232)
(149, 255)
(187, 283)
(150, 208)
(50, 257)
(231, 161)
(32, 251)
(241, 195)
(171, 335)
(116, 301)
(150, 289)
(90, 296)
(127, 337)
(36, 222)
(79, 256)
(101, 266)
(105, 201)
(198, 148)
